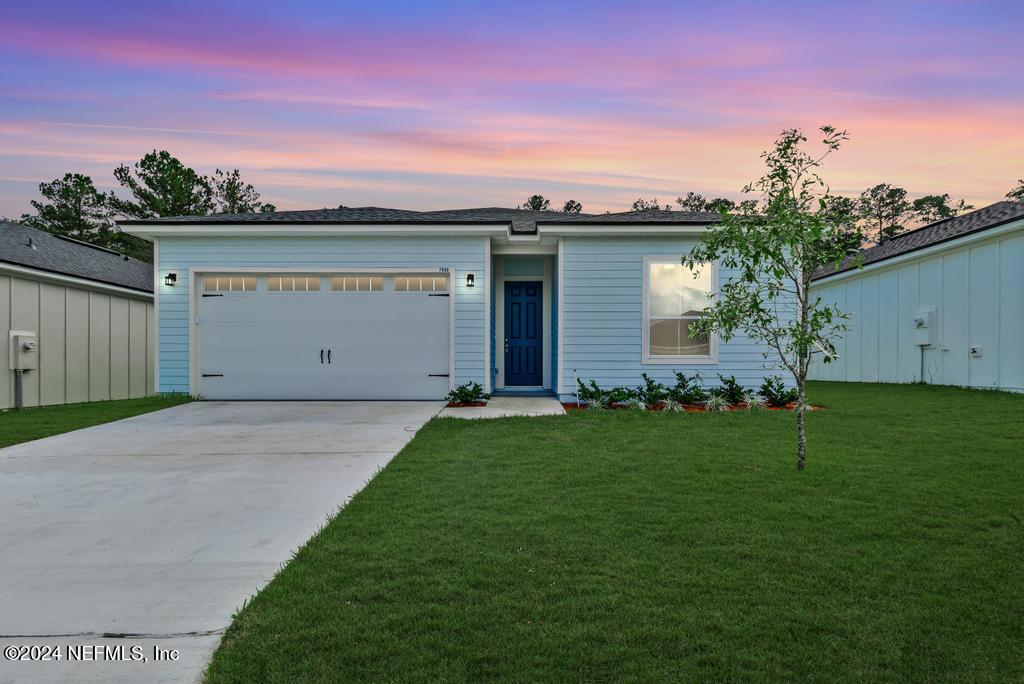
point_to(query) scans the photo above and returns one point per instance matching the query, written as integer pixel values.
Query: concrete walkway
(504, 407)
(159, 527)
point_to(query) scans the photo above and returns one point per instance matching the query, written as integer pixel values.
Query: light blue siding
(186, 254)
(601, 322)
(524, 266)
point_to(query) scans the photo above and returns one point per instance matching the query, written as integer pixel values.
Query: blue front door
(523, 346)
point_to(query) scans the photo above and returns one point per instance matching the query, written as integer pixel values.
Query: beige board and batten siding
(975, 293)
(93, 345)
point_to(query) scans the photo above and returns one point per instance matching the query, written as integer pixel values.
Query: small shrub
(589, 394)
(775, 393)
(467, 394)
(636, 404)
(619, 395)
(671, 406)
(651, 391)
(687, 390)
(730, 390)
(715, 402)
(751, 401)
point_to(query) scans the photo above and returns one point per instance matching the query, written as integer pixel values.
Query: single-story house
(369, 303)
(942, 304)
(79, 321)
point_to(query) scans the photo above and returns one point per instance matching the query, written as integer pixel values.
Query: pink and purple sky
(428, 105)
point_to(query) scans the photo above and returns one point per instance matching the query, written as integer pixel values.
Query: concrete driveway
(157, 528)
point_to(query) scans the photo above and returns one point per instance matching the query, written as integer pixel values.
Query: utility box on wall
(24, 350)
(924, 328)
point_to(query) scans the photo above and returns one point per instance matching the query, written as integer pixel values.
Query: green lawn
(27, 424)
(625, 546)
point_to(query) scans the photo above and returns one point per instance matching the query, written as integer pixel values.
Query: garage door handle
(321, 357)
(328, 356)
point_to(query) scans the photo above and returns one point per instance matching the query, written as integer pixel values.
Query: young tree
(932, 208)
(161, 185)
(1018, 192)
(537, 203)
(572, 207)
(885, 210)
(232, 195)
(775, 251)
(692, 202)
(648, 205)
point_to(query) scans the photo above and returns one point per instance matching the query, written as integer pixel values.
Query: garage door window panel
(229, 283)
(421, 283)
(357, 283)
(290, 283)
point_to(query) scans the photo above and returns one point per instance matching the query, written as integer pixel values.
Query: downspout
(19, 395)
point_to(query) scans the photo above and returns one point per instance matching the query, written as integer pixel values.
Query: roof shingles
(521, 221)
(948, 229)
(31, 248)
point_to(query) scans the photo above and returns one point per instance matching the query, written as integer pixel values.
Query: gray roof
(641, 217)
(24, 246)
(935, 233)
(520, 220)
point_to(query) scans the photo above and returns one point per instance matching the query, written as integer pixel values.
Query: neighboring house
(89, 311)
(388, 304)
(942, 304)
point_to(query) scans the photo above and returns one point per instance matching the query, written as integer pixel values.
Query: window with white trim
(357, 283)
(229, 283)
(424, 283)
(290, 283)
(674, 297)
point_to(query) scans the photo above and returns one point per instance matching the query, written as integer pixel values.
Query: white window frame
(677, 360)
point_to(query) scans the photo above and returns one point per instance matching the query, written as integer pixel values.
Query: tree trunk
(801, 435)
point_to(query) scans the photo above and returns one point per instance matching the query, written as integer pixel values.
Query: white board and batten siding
(977, 294)
(93, 345)
(188, 256)
(601, 319)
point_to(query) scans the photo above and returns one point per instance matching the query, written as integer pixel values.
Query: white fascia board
(190, 229)
(71, 281)
(620, 230)
(931, 250)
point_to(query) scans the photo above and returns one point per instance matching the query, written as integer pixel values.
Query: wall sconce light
(171, 279)
(470, 280)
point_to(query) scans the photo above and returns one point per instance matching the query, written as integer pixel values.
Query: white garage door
(324, 336)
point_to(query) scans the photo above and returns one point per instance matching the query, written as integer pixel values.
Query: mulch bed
(466, 404)
(690, 408)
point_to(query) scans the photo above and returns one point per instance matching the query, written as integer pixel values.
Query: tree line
(158, 185)
(878, 214)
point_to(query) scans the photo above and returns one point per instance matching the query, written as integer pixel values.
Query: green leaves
(1018, 192)
(161, 185)
(774, 251)
(537, 203)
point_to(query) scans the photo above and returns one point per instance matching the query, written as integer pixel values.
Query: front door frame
(498, 264)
